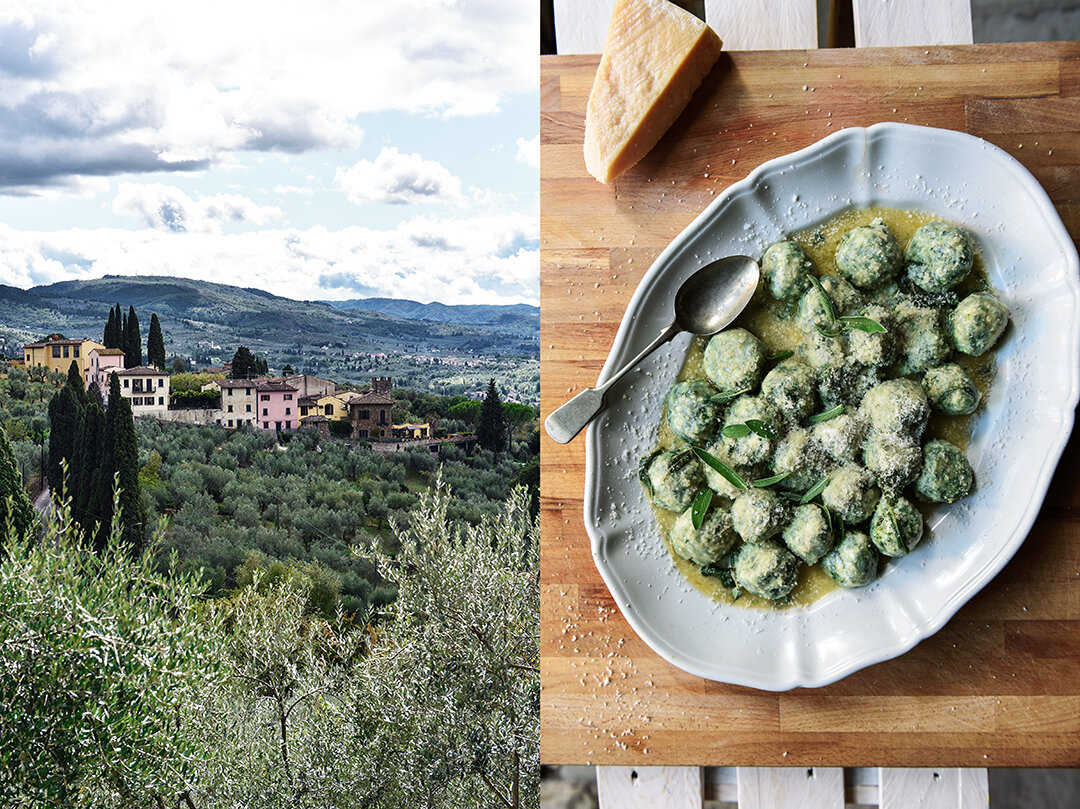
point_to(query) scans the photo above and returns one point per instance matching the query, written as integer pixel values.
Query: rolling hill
(207, 321)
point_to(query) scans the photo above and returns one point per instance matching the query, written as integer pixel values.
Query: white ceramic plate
(1017, 439)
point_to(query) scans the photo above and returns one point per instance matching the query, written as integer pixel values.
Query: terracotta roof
(276, 386)
(109, 352)
(309, 399)
(140, 370)
(47, 343)
(371, 398)
(313, 419)
(235, 383)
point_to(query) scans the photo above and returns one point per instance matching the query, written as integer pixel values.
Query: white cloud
(282, 190)
(100, 89)
(166, 207)
(394, 178)
(529, 151)
(480, 259)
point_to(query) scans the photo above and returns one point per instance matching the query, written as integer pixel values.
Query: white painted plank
(974, 788)
(581, 25)
(763, 24)
(650, 787)
(791, 788)
(944, 788)
(911, 22)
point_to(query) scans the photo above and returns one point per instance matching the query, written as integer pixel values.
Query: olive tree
(456, 666)
(98, 653)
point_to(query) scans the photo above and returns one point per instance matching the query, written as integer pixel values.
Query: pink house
(100, 363)
(278, 408)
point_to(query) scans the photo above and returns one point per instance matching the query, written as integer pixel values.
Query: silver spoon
(706, 302)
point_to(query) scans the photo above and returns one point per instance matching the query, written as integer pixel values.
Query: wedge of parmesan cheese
(655, 56)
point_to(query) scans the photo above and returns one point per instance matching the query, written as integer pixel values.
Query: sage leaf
(826, 301)
(895, 525)
(764, 482)
(729, 474)
(865, 324)
(762, 428)
(736, 431)
(727, 396)
(780, 356)
(814, 490)
(832, 412)
(700, 508)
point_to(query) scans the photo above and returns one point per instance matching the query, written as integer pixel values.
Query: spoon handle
(570, 419)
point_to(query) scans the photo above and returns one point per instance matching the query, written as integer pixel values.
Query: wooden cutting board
(1000, 684)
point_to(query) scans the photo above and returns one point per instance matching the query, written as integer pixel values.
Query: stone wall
(193, 416)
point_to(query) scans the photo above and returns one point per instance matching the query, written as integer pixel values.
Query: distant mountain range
(195, 314)
(471, 314)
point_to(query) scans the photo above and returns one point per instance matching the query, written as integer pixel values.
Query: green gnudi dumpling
(791, 386)
(853, 562)
(896, 527)
(946, 474)
(758, 514)
(672, 478)
(692, 412)
(812, 312)
(766, 569)
(896, 406)
(939, 256)
(707, 544)
(923, 342)
(751, 448)
(734, 360)
(808, 535)
(851, 494)
(869, 256)
(951, 391)
(786, 270)
(977, 323)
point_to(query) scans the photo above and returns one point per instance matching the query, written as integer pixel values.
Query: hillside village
(282, 404)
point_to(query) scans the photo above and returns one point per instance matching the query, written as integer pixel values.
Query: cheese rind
(655, 56)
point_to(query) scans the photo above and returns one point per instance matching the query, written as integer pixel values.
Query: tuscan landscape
(315, 541)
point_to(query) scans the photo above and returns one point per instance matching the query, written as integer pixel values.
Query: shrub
(100, 653)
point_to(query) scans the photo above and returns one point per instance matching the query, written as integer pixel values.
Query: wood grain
(999, 685)
(650, 787)
(788, 787)
(914, 22)
(764, 24)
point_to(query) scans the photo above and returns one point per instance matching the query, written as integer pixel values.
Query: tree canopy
(491, 431)
(245, 365)
(155, 344)
(132, 340)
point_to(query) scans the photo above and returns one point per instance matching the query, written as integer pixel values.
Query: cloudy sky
(325, 150)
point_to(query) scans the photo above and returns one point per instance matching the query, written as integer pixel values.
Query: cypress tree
(125, 452)
(114, 329)
(244, 364)
(110, 329)
(155, 344)
(100, 499)
(63, 419)
(88, 458)
(491, 431)
(15, 506)
(132, 340)
(76, 382)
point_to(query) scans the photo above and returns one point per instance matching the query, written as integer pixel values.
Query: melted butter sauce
(774, 324)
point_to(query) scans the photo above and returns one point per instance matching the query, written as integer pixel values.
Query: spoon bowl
(705, 303)
(716, 294)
